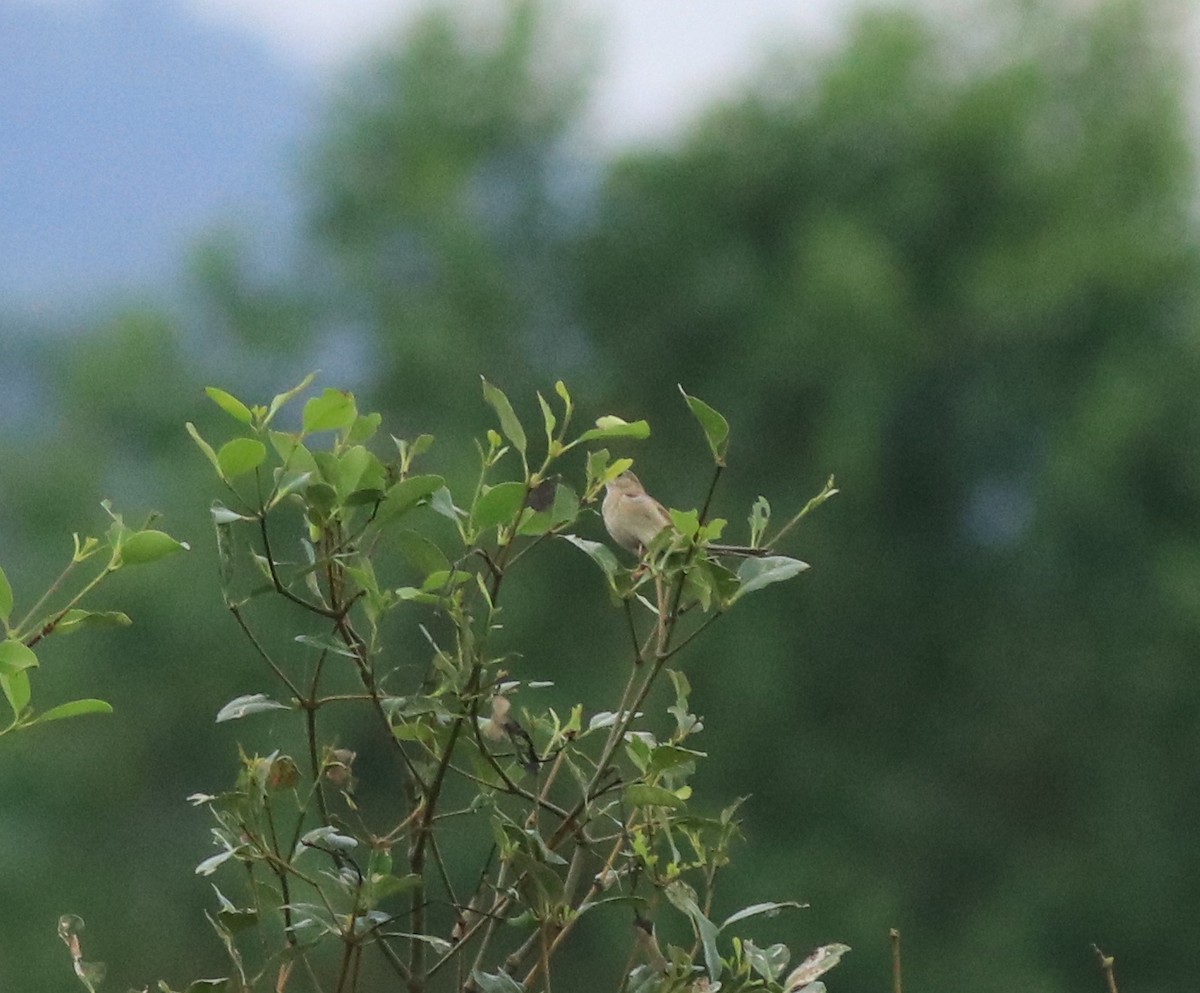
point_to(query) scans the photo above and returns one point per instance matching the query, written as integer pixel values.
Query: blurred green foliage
(958, 268)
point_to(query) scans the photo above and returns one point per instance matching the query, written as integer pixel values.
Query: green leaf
(564, 510)
(499, 505)
(74, 709)
(364, 426)
(16, 689)
(716, 428)
(223, 515)
(817, 964)
(767, 962)
(508, 419)
(754, 574)
(241, 455)
(760, 909)
(611, 426)
(149, 546)
(645, 795)
(687, 522)
(281, 398)
(406, 494)
(496, 982)
(441, 501)
(548, 419)
(296, 457)
(230, 404)
(244, 706)
(601, 554)
(422, 553)
(205, 447)
(74, 619)
(6, 598)
(683, 898)
(16, 657)
(331, 411)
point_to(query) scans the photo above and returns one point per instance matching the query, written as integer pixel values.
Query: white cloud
(316, 32)
(660, 59)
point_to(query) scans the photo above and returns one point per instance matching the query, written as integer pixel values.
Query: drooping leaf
(599, 553)
(75, 618)
(213, 862)
(714, 425)
(16, 690)
(16, 657)
(683, 898)
(243, 706)
(509, 423)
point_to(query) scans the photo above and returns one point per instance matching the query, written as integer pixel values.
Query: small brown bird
(634, 518)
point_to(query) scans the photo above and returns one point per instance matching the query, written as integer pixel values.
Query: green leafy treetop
(501, 823)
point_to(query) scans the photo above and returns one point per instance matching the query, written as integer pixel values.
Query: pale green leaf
(496, 982)
(243, 706)
(230, 404)
(331, 411)
(611, 426)
(205, 447)
(16, 690)
(75, 618)
(281, 398)
(754, 574)
(149, 546)
(15, 657)
(817, 964)
(508, 419)
(241, 455)
(74, 708)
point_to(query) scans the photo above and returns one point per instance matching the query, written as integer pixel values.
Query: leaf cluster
(575, 813)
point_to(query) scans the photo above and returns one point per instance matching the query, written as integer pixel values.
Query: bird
(634, 518)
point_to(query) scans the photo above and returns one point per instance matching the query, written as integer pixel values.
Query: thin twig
(1106, 963)
(894, 935)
